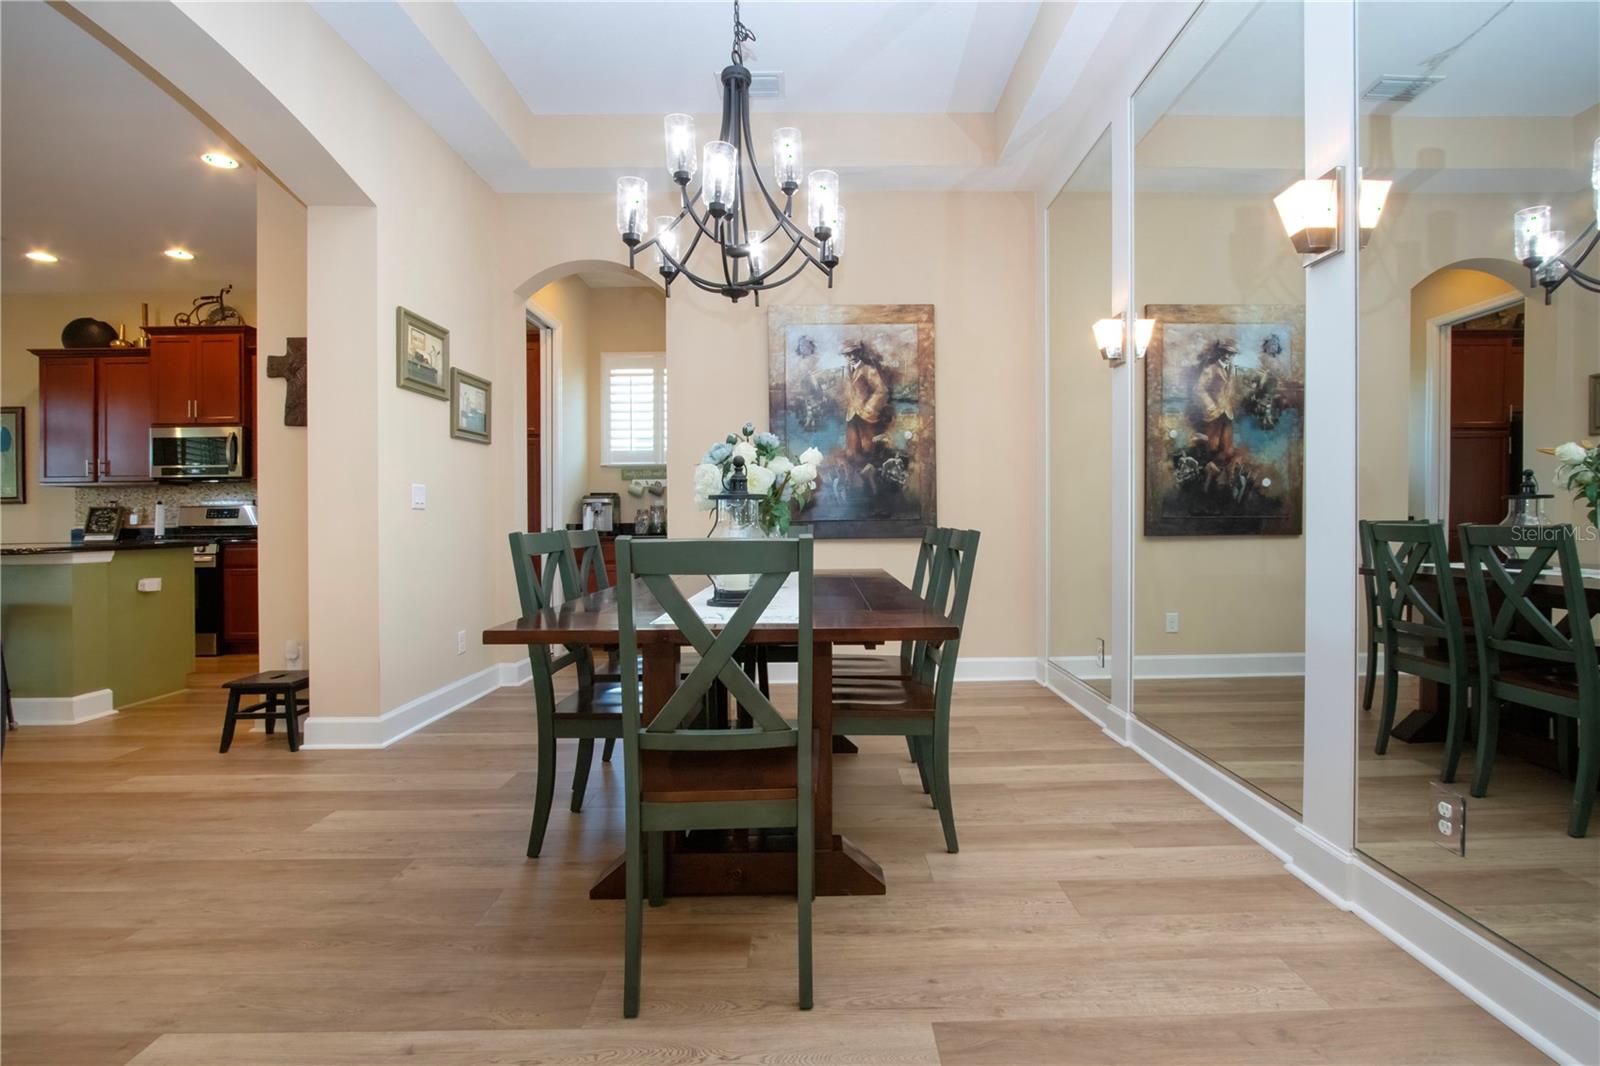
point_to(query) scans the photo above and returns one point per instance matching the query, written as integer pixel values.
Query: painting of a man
(857, 384)
(1224, 393)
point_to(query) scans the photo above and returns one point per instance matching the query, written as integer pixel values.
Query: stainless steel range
(219, 521)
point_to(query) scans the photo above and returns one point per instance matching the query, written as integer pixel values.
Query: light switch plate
(419, 496)
(149, 584)
(1172, 621)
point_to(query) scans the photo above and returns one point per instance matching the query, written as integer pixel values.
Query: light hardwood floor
(167, 905)
(1522, 877)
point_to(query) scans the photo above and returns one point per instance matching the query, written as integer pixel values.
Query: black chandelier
(1550, 259)
(753, 259)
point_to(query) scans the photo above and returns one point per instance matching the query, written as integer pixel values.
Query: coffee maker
(599, 510)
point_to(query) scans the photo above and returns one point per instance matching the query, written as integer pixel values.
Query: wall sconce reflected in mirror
(1108, 338)
(1110, 334)
(1310, 208)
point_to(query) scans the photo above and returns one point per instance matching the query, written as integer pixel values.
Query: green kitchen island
(81, 639)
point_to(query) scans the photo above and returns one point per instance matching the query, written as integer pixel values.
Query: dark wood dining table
(850, 607)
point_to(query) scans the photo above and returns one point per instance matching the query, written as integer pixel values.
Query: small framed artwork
(422, 355)
(1594, 405)
(13, 455)
(469, 407)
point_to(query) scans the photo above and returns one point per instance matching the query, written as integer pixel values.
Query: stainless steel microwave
(203, 453)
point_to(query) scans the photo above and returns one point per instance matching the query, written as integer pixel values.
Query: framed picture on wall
(469, 407)
(1594, 405)
(422, 355)
(13, 455)
(856, 383)
(1224, 420)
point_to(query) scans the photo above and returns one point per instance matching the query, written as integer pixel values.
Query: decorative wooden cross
(291, 367)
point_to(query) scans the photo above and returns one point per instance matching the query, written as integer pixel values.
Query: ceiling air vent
(763, 83)
(1401, 88)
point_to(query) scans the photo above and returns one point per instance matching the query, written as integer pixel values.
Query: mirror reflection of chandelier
(750, 259)
(1550, 259)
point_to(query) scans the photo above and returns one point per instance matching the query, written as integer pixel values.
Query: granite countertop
(187, 542)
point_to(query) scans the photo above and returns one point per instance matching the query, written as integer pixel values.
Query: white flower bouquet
(1580, 472)
(786, 483)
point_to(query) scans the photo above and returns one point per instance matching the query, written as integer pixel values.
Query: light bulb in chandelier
(822, 201)
(633, 208)
(786, 159)
(1528, 229)
(666, 241)
(720, 176)
(833, 247)
(756, 254)
(681, 147)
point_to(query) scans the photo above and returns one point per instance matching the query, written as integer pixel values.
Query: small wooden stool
(283, 690)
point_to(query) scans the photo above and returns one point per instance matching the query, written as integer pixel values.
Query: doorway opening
(1473, 447)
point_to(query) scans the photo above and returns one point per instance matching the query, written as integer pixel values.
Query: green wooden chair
(679, 777)
(593, 712)
(1527, 656)
(1374, 616)
(1420, 613)
(874, 668)
(919, 706)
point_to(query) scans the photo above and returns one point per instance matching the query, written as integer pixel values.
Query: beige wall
(280, 449)
(34, 320)
(969, 254)
(1080, 425)
(389, 586)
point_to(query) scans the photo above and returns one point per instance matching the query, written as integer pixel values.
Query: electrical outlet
(1447, 813)
(419, 497)
(1172, 621)
(291, 654)
(461, 642)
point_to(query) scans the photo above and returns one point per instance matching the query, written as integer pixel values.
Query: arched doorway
(583, 320)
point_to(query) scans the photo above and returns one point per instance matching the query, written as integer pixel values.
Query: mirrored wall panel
(1080, 424)
(1219, 563)
(1480, 709)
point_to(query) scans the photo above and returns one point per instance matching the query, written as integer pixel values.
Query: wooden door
(219, 381)
(123, 393)
(172, 380)
(535, 443)
(66, 420)
(1485, 403)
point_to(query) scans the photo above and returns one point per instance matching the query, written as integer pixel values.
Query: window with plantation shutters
(633, 408)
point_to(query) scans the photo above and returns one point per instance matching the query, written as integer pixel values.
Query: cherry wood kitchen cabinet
(94, 415)
(201, 374)
(67, 424)
(240, 599)
(123, 398)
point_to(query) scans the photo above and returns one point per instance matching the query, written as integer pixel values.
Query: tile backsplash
(142, 498)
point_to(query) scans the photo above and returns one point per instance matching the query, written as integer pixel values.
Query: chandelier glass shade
(1551, 259)
(743, 226)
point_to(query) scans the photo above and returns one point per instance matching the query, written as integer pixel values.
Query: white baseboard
(379, 731)
(1558, 1021)
(62, 710)
(1149, 667)
(979, 668)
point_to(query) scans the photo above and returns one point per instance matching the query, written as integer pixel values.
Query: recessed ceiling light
(178, 253)
(39, 255)
(220, 160)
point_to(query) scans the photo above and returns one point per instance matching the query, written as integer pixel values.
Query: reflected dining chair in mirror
(918, 707)
(592, 712)
(1422, 630)
(1535, 644)
(679, 777)
(1370, 612)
